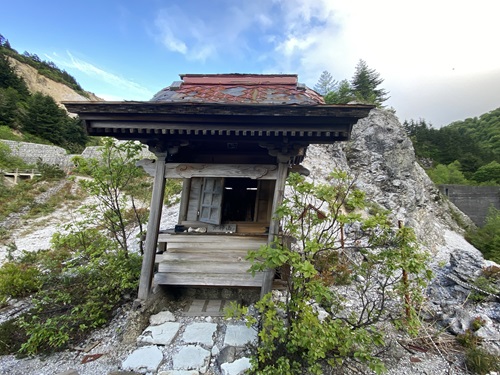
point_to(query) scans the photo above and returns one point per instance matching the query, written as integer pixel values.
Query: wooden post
(183, 209)
(279, 192)
(148, 260)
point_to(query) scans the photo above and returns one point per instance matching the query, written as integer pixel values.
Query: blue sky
(439, 58)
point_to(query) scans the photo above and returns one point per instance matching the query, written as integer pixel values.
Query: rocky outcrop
(381, 157)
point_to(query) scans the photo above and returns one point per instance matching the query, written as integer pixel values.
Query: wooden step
(212, 279)
(195, 243)
(207, 256)
(203, 267)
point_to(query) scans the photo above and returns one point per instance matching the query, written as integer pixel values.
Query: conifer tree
(342, 94)
(326, 84)
(365, 83)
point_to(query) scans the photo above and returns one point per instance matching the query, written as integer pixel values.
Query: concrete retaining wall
(54, 155)
(474, 201)
(32, 152)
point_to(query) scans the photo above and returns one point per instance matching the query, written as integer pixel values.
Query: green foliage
(173, 188)
(18, 280)
(331, 236)
(489, 173)
(11, 337)
(77, 286)
(365, 85)
(342, 94)
(481, 362)
(113, 175)
(448, 174)
(7, 134)
(474, 143)
(49, 171)
(7, 161)
(9, 79)
(487, 238)
(485, 285)
(13, 199)
(45, 119)
(37, 115)
(468, 339)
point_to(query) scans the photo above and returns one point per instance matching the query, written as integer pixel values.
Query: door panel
(211, 200)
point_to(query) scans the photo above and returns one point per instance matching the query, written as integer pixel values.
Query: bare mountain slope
(39, 83)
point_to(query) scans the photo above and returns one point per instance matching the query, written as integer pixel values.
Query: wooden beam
(189, 170)
(148, 260)
(279, 193)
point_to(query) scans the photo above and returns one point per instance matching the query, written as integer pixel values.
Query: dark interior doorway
(239, 199)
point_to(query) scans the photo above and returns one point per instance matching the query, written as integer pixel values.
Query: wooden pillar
(279, 192)
(148, 260)
(183, 209)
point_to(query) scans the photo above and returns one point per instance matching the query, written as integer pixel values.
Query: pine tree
(326, 83)
(342, 94)
(365, 84)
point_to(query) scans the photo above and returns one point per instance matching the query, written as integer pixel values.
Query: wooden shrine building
(232, 138)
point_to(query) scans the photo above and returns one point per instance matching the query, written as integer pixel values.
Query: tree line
(35, 115)
(465, 152)
(363, 87)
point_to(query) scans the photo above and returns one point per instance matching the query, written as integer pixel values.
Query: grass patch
(481, 362)
(7, 134)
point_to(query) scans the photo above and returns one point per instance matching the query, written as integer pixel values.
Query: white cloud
(111, 81)
(164, 23)
(419, 47)
(210, 33)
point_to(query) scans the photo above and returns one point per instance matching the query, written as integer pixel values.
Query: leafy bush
(113, 174)
(311, 327)
(18, 280)
(80, 281)
(487, 238)
(49, 172)
(448, 174)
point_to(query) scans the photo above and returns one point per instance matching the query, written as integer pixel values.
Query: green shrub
(293, 338)
(487, 238)
(18, 280)
(76, 286)
(50, 172)
(12, 336)
(468, 339)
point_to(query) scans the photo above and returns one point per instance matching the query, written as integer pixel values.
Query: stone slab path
(192, 344)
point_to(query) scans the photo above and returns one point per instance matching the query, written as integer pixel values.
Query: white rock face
(381, 157)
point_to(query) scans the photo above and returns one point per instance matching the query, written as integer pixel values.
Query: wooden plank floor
(208, 260)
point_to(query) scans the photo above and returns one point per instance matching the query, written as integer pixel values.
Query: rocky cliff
(381, 157)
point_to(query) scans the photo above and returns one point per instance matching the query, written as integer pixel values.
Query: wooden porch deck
(208, 260)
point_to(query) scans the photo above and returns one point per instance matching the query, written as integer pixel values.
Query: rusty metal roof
(239, 88)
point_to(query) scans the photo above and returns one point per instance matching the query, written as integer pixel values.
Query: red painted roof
(239, 88)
